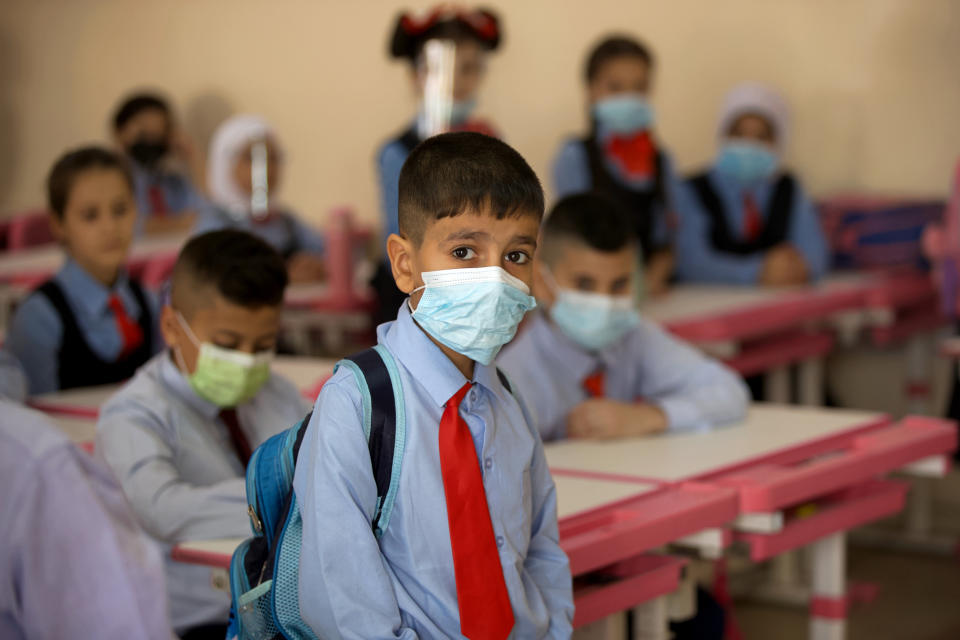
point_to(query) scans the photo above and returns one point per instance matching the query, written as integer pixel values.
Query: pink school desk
(605, 525)
(778, 459)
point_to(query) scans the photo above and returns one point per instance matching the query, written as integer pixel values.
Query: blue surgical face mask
(472, 311)
(592, 320)
(624, 113)
(460, 111)
(747, 162)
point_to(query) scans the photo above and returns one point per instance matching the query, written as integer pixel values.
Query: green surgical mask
(225, 377)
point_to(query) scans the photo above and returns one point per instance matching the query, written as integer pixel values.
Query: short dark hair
(137, 103)
(74, 162)
(591, 219)
(238, 265)
(452, 173)
(617, 46)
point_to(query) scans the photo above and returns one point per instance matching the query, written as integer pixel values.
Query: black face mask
(147, 152)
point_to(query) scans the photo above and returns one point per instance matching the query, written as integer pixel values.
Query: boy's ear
(400, 252)
(541, 291)
(56, 227)
(169, 326)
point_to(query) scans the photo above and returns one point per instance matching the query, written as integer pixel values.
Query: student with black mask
(161, 159)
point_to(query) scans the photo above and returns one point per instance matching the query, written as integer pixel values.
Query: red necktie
(129, 331)
(595, 384)
(240, 443)
(752, 222)
(485, 611)
(158, 201)
(636, 154)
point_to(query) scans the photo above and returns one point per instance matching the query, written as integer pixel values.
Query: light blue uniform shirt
(390, 161)
(353, 588)
(283, 230)
(698, 261)
(73, 563)
(180, 472)
(571, 175)
(647, 364)
(36, 331)
(13, 381)
(178, 192)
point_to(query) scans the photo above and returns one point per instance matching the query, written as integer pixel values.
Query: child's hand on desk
(603, 419)
(783, 266)
(306, 267)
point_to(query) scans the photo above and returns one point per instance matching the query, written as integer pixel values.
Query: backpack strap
(384, 424)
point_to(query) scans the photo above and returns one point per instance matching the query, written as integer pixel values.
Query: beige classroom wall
(874, 84)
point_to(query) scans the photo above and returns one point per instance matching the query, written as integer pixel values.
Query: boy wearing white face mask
(621, 156)
(587, 364)
(746, 220)
(472, 544)
(179, 434)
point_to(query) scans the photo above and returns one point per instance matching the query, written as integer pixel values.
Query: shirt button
(473, 396)
(499, 542)
(488, 463)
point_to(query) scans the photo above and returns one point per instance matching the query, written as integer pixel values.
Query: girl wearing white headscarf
(746, 219)
(230, 184)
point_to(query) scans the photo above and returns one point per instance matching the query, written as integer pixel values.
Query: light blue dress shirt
(698, 261)
(178, 191)
(390, 161)
(283, 231)
(351, 587)
(13, 381)
(36, 332)
(571, 175)
(647, 364)
(73, 563)
(179, 470)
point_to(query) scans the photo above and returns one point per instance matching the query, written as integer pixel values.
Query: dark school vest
(776, 224)
(78, 365)
(641, 203)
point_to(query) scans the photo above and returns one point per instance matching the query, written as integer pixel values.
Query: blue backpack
(265, 569)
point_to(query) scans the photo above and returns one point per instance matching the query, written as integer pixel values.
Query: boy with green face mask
(180, 433)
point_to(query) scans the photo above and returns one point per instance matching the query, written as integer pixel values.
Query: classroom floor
(919, 599)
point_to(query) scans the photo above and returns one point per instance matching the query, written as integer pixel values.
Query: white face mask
(472, 311)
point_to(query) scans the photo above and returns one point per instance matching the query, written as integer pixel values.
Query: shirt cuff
(682, 415)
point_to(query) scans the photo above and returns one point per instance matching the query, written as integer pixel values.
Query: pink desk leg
(828, 601)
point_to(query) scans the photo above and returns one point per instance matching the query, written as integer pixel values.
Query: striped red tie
(485, 610)
(130, 332)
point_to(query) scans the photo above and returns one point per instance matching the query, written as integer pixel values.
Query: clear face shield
(259, 181)
(437, 66)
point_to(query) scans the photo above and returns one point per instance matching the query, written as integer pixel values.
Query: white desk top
(769, 429)
(79, 430)
(81, 398)
(48, 258)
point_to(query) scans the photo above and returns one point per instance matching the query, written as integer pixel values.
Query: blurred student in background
(620, 156)
(91, 323)
(164, 163)
(746, 219)
(473, 34)
(232, 167)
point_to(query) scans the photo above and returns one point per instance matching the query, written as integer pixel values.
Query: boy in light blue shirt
(586, 363)
(471, 549)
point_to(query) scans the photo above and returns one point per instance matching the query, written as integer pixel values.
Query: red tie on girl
(636, 154)
(158, 201)
(595, 384)
(752, 222)
(130, 332)
(485, 611)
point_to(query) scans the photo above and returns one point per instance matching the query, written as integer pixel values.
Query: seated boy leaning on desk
(587, 363)
(472, 543)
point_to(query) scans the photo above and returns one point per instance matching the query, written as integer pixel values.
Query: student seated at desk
(162, 160)
(73, 563)
(586, 363)
(231, 174)
(467, 552)
(179, 434)
(620, 156)
(746, 220)
(91, 323)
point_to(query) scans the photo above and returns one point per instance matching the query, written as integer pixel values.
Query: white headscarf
(229, 141)
(751, 97)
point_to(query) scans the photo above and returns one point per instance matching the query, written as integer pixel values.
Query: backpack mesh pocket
(256, 620)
